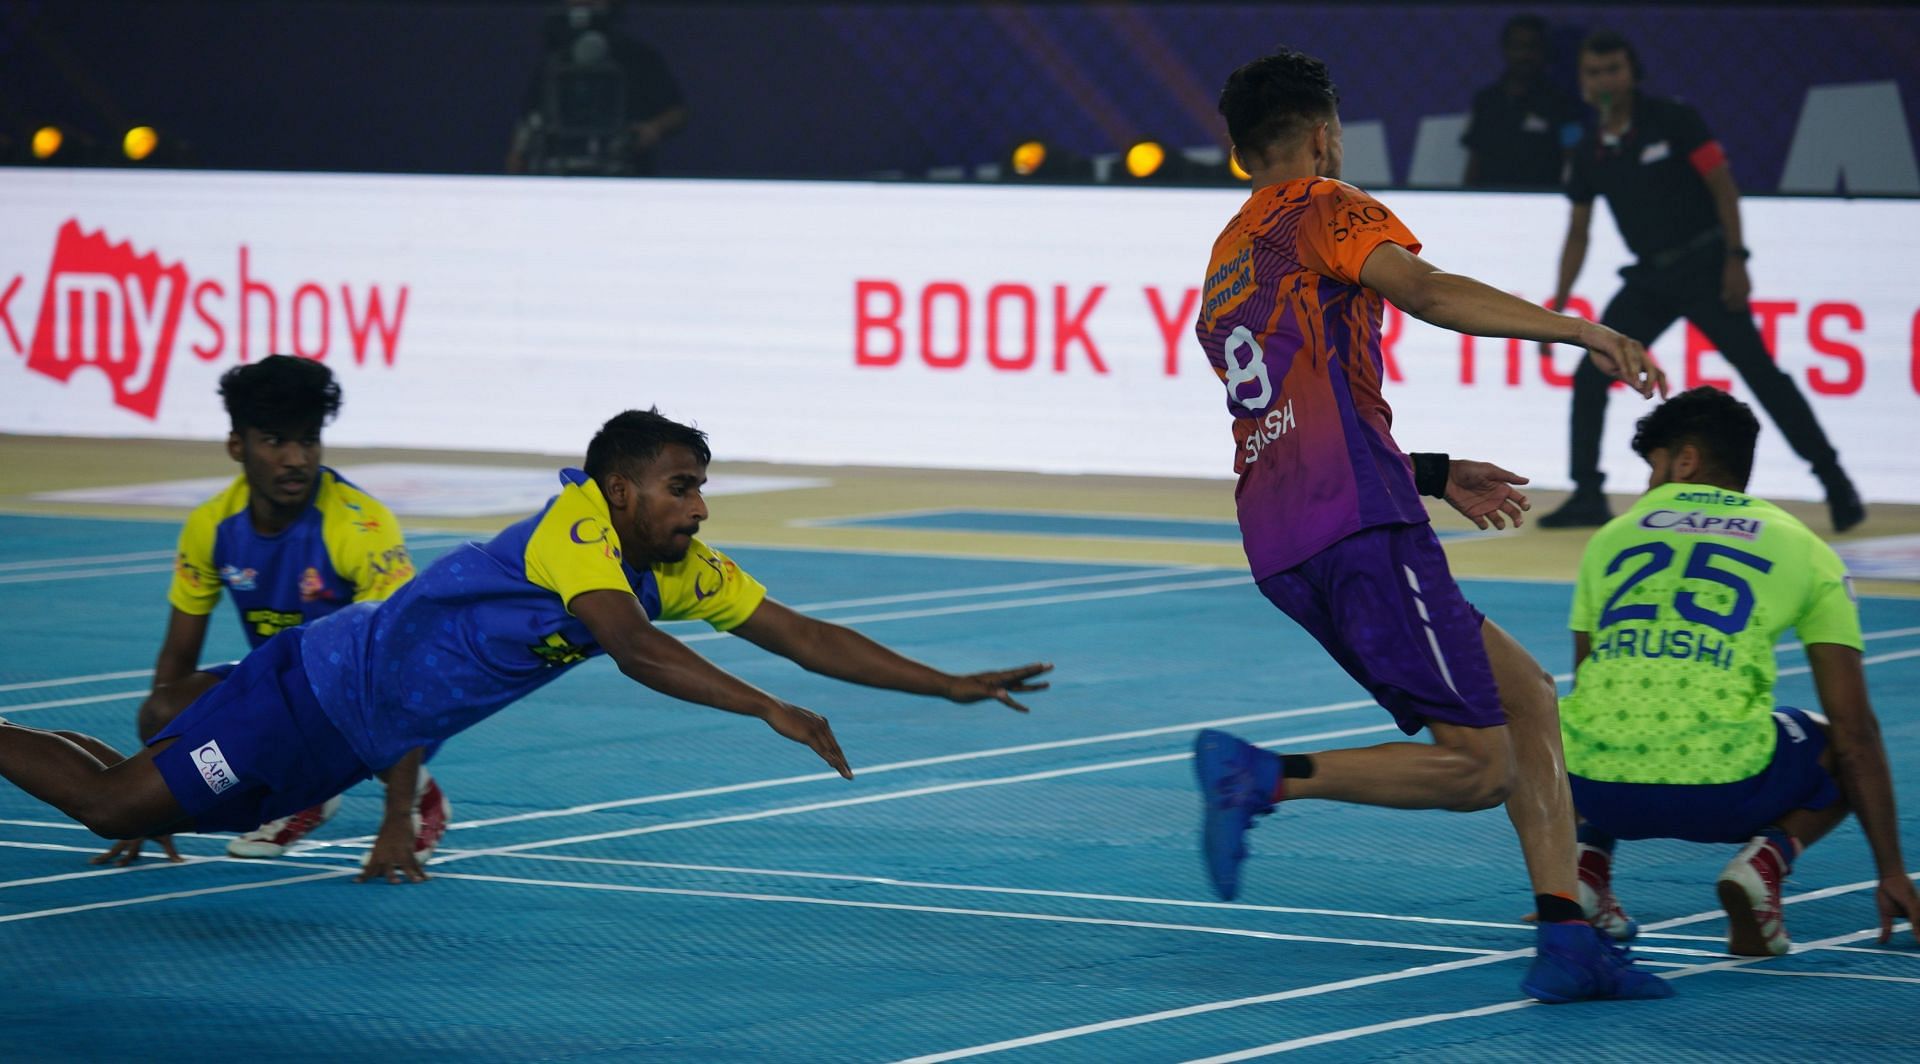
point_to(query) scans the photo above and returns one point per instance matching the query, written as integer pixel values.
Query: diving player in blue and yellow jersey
(291, 541)
(321, 707)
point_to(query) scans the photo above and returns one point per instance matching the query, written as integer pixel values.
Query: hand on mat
(127, 851)
(1484, 492)
(1896, 898)
(392, 857)
(998, 686)
(810, 728)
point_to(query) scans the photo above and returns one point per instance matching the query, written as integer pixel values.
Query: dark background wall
(856, 89)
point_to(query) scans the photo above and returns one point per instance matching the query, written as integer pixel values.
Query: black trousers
(1653, 300)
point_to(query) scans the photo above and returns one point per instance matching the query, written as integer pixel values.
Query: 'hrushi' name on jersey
(343, 548)
(1683, 598)
(1295, 338)
(488, 624)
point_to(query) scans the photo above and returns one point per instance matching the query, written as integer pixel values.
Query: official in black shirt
(1668, 186)
(1522, 125)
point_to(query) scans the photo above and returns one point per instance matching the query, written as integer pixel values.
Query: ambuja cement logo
(125, 314)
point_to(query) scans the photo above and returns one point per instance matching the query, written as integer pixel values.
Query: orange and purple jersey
(1295, 338)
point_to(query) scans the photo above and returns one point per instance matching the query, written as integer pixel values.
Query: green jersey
(1683, 597)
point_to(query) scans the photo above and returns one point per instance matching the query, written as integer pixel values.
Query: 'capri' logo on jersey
(700, 594)
(213, 767)
(239, 579)
(598, 533)
(1696, 523)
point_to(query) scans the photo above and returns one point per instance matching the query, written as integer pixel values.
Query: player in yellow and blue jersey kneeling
(291, 541)
(1671, 730)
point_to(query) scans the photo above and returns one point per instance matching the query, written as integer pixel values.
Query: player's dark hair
(1607, 42)
(633, 438)
(1721, 427)
(1523, 22)
(280, 393)
(1276, 98)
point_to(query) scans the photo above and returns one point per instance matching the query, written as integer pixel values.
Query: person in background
(1669, 188)
(290, 541)
(601, 102)
(1522, 125)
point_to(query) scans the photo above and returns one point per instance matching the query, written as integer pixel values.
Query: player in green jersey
(1671, 730)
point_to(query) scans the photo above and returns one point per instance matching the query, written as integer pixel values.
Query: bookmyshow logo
(123, 314)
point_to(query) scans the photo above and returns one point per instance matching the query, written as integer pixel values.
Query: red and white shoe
(431, 815)
(1596, 896)
(274, 837)
(1750, 892)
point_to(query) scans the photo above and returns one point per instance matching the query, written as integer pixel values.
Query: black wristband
(1430, 473)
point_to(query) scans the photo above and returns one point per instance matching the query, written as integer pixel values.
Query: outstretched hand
(999, 686)
(810, 729)
(127, 851)
(1896, 898)
(1485, 494)
(1624, 359)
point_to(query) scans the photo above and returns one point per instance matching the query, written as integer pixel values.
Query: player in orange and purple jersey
(1335, 530)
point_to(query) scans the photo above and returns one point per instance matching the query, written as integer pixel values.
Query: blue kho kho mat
(629, 877)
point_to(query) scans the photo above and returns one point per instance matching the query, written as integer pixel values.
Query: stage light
(1028, 158)
(1144, 159)
(47, 141)
(1036, 160)
(139, 143)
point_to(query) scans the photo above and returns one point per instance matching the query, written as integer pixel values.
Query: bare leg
(125, 851)
(126, 799)
(1540, 806)
(1463, 769)
(1812, 825)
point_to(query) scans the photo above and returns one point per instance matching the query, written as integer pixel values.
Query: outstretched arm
(658, 660)
(392, 857)
(844, 654)
(1458, 302)
(1860, 764)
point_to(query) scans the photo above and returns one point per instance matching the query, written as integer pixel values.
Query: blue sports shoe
(1578, 962)
(1237, 781)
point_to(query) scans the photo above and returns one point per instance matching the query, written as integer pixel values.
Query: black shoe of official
(1583, 509)
(1843, 502)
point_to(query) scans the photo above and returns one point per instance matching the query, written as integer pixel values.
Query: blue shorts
(256, 746)
(1385, 606)
(1719, 812)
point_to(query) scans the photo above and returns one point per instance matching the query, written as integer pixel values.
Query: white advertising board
(963, 326)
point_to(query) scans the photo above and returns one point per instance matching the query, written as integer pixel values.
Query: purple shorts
(1384, 605)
